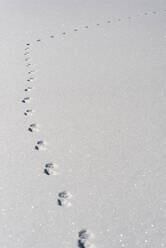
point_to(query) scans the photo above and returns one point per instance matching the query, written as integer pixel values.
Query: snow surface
(92, 76)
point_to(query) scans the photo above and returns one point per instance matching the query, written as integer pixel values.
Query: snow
(82, 94)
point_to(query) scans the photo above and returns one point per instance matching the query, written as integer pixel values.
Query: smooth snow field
(83, 124)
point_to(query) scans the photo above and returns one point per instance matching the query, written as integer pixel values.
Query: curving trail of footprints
(109, 21)
(64, 198)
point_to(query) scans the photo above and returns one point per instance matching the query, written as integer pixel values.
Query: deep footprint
(30, 79)
(29, 88)
(28, 112)
(30, 72)
(40, 145)
(26, 99)
(64, 199)
(84, 239)
(85, 234)
(51, 169)
(85, 244)
(33, 128)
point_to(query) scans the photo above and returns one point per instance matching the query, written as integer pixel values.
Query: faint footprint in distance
(30, 79)
(29, 88)
(31, 72)
(28, 58)
(85, 244)
(28, 112)
(26, 99)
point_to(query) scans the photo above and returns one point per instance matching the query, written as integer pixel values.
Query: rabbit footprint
(51, 169)
(26, 99)
(64, 199)
(33, 128)
(28, 112)
(40, 145)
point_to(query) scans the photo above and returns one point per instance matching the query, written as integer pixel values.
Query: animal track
(26, 99)
(85, 244)
(64, 199)
(98, 24)
(33, 128)
(30, 79)
(28, 58)
(28, 112)
(51, 169)
(40, 145)
(29, 88)
(85, 234)
(30, 72)
(85, 239)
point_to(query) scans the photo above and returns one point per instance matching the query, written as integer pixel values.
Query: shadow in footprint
(80, 244)
(46, 172)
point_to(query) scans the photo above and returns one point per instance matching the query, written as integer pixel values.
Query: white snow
(89, 77)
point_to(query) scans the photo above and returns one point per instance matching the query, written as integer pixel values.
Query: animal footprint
(28, 88)
(26, 99)
(31, 72)
(28, 58)
(85, 244)
(30, 79)
(51, 169)
(33, 127)
(40, 145)
(85, 239)
(28, 112)
(64, 199)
